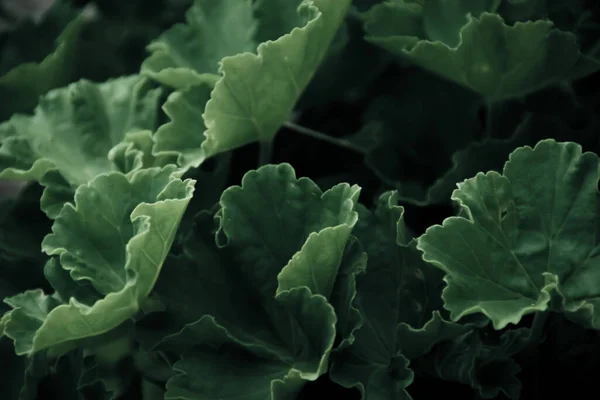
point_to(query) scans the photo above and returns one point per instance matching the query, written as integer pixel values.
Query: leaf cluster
(289, 199)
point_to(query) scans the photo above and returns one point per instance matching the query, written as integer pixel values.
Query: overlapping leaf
(480, 361)
(466, 43)
(189, 54)
(111, 244)
(255, 92)
(182, 137)
(527, 235)
(399, 299)
(74, 130)
(265, 295)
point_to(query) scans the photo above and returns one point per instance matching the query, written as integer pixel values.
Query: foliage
(290, 199)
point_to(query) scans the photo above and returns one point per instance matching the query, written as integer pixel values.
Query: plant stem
(537, 327)
(323, 137)
(265, 154)
(536, 333)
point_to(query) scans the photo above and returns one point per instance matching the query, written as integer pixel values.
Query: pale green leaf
(114, 237)
(135, 153)
(189, 53)
(183, 136)
(73, 129)
(256, 92)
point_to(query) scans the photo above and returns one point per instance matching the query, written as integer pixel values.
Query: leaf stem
(536, 333)
(537, 328)
(323, 137)
(265, 154)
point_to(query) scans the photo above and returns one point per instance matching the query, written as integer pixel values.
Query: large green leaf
(256, 92)
(264, 297)
(463, 42)
(399, 299)
(74, 128)
(189, 54)
(525, 236)
(79, 132)
(113, 241)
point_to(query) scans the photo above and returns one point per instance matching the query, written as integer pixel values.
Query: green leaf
(256, 93)
(80, 132)
(399, 298)
(182, 136)
(135, 153)
(115, 237)
(479, 360)
(306, 213)
(251, 378)
(443, 20)
(189, 54)
(519, 242)
(263, 295)
(343, 297)
(485, 54)
(74, 128)
(22, 78)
